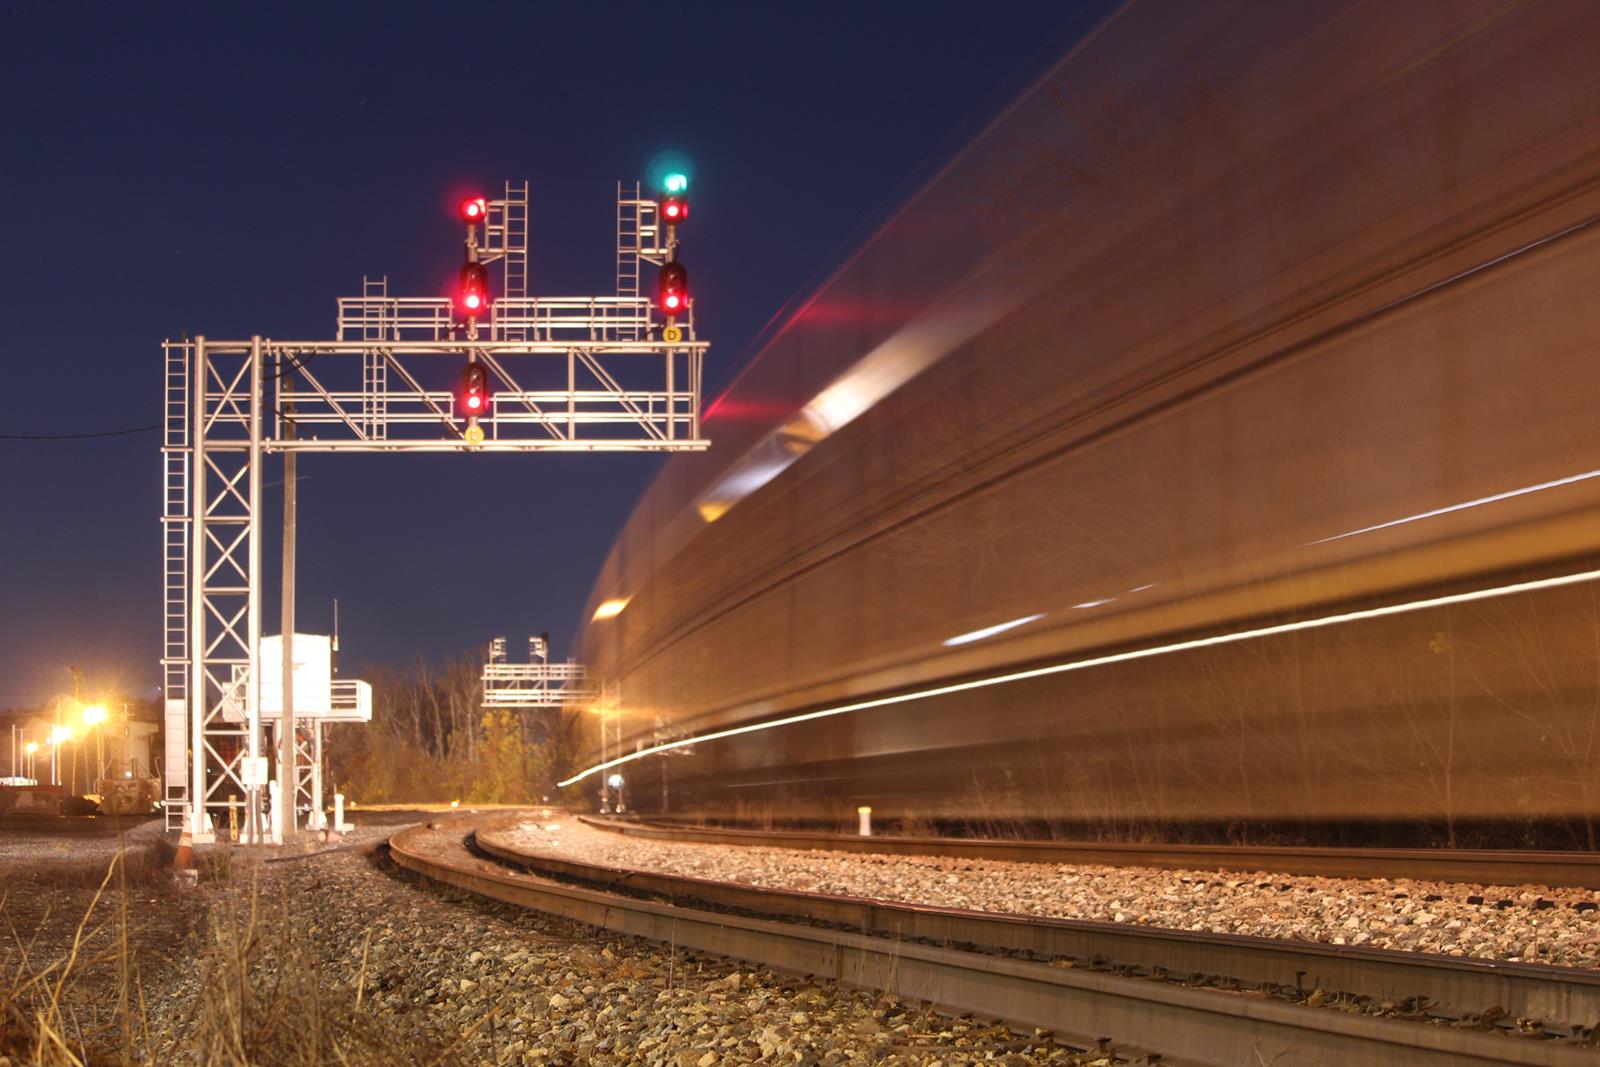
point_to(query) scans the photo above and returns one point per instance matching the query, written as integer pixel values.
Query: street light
(31, 748)
(93, 716)
(59, 735)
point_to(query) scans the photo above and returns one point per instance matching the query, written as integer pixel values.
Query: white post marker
(275, 816)
(865, 816)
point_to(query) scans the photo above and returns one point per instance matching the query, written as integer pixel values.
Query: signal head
(472, 291)
(674, 209)
(672, 289)
(474, 209)
(675, 183)
(474, 395)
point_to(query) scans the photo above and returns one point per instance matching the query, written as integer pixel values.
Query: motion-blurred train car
(1242, 378)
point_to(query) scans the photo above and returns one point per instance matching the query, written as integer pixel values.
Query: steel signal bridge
(568, 374)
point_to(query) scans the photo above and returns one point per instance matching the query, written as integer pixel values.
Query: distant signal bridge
(535, 684)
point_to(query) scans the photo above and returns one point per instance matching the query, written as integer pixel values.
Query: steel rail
(1479, 867)
(1449, 984)
(1195, 1026)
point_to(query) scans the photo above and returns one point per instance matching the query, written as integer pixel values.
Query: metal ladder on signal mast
(175, 536)
(515, 276)
(628, 238)
(376, 319)
(506, 234)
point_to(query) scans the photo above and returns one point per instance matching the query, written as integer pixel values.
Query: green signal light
(676, 182)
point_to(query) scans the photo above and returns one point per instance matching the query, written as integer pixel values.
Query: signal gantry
(593, 373)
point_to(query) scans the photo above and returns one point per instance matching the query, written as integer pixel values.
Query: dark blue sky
(227, 170)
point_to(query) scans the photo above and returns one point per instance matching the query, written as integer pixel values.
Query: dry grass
(243, 987)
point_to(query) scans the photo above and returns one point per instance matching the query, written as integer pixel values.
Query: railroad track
(1196, 998)
(1486, 867)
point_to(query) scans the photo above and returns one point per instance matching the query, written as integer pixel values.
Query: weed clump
(241, 985)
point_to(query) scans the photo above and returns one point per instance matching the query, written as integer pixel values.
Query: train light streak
(1191, 644)
(990, 631)
(1571, 479)
(915, 347)
(610, 609)
(712, 510)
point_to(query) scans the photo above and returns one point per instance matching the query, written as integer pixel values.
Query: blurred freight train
(1272, 320)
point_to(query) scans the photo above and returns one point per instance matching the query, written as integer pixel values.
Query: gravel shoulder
(348, 958)
(1537, 924)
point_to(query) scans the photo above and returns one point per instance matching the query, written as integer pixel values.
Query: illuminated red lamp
(672, 289)
(674, 209)
(474, 389)
(472, 291)
(474, 209)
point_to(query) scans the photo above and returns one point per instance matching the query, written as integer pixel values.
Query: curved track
(1073, 978)
(1477, 866)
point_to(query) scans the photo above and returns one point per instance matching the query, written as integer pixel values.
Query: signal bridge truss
(535, 684)
(567, 374)
(572, 384)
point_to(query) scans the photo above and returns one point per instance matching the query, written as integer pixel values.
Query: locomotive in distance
(1272, 321)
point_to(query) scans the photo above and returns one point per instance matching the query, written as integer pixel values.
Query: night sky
(230, 171)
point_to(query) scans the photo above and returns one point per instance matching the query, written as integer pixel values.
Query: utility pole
(287, 786)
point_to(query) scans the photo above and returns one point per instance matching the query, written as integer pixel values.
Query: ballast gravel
(1537, 924)
(408, 971)
(505, 986)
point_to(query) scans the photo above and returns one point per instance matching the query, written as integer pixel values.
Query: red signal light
(472, 292)
(474, 209)
(672, 289)
(474, 389)
(674, 209)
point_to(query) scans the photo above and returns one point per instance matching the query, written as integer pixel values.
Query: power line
(294, 364)
(77, 436)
